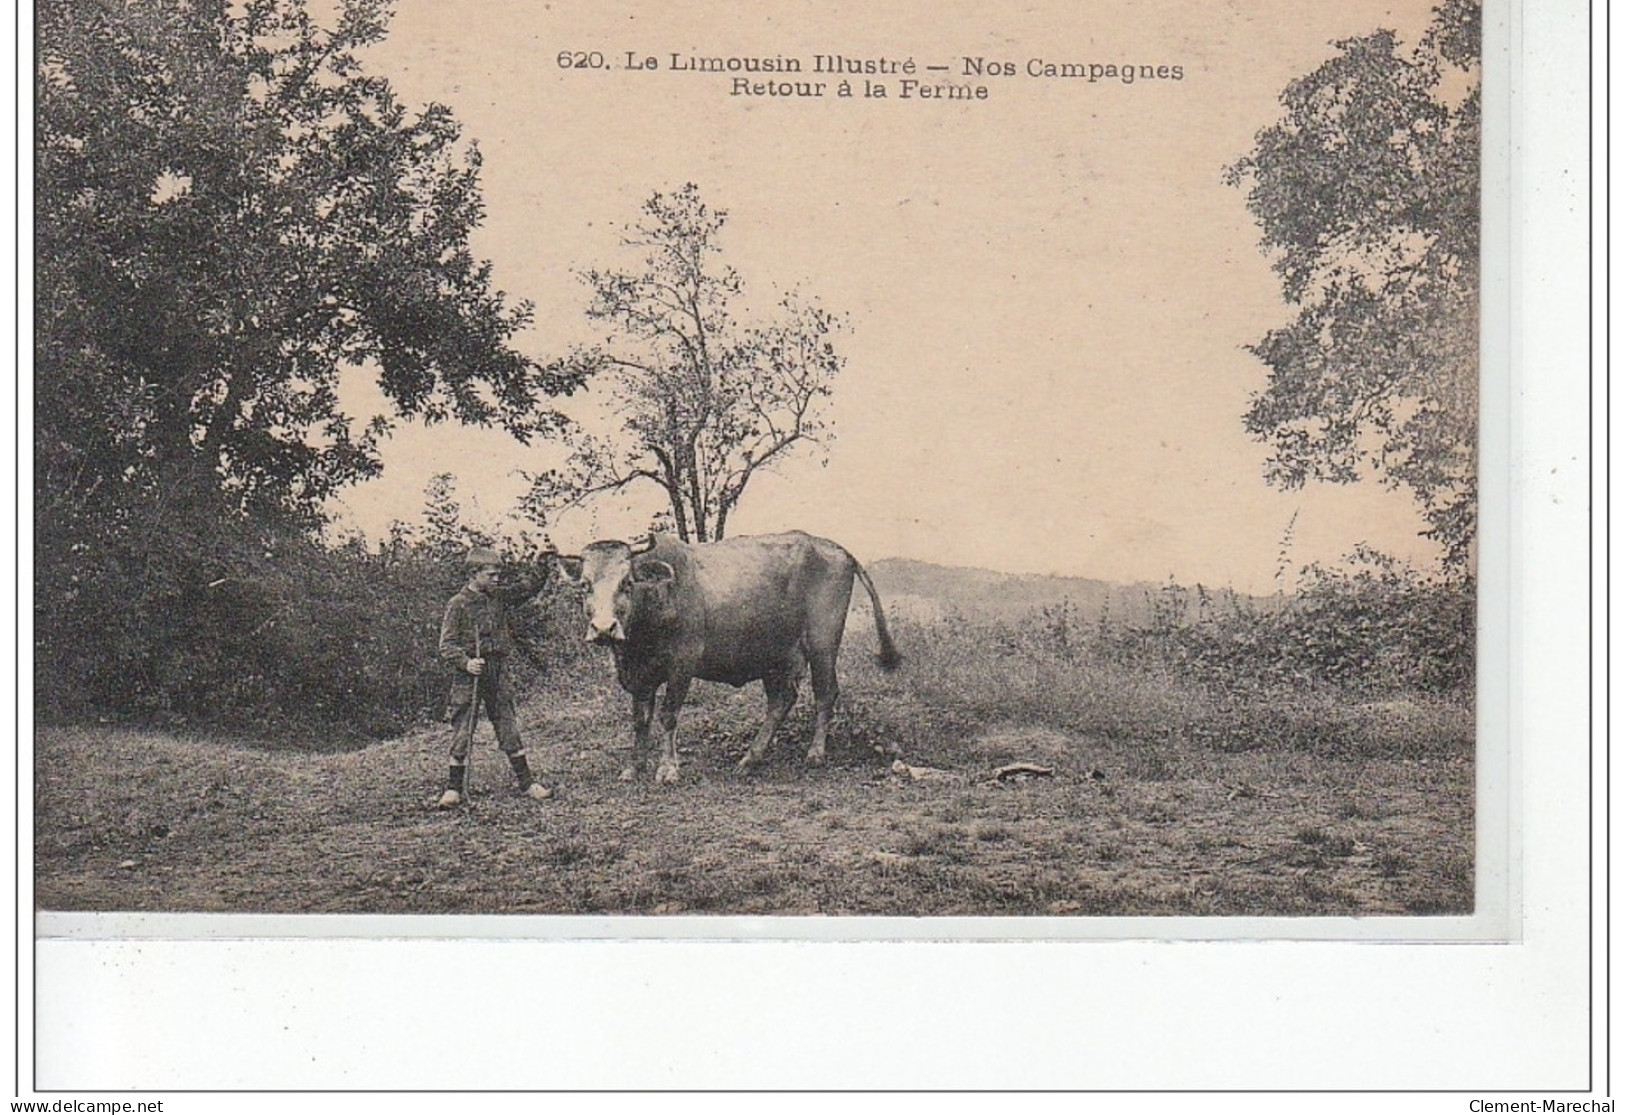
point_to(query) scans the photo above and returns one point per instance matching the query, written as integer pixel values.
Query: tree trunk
(678, 513)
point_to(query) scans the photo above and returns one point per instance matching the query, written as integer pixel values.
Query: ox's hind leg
(826, 623)
(670, 705)
(643, 710)
(781, 687)
(825, 689)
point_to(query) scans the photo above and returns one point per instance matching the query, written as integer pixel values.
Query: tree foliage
(231, 216)
(231, 213)
(1367, 192)
(446, 530)
(705, 401)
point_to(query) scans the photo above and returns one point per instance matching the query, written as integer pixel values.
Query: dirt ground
(137, 820)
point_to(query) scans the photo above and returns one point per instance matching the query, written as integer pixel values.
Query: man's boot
(527, 781)
(453, 796)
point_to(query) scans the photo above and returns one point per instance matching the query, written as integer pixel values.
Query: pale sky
(1050, 291)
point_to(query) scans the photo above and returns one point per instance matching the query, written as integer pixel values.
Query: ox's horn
(648, 545)
(570, 566)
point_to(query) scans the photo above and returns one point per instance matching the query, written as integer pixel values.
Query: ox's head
(623, 595)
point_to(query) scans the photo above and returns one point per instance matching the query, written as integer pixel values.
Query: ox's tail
(890, 659)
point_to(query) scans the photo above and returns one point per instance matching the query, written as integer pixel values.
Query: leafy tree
(445, 533)
(1367, 191)
(231, 215)
(705, 401)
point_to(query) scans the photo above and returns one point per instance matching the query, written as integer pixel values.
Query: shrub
(1364, 662)
(248, 627)
(1373, 625)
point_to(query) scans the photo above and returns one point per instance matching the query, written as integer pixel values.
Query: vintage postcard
(907, 509)
(623, 469)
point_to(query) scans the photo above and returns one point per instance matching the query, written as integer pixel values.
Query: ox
(762, 609)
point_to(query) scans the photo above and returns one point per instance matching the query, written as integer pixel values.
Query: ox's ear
(653, 572)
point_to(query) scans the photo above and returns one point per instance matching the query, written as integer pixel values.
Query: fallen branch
(1023, 770)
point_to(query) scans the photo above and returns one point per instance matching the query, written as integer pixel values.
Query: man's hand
(474, 666)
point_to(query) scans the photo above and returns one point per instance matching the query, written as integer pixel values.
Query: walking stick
(473, 719)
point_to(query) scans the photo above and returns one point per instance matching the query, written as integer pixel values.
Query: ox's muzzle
(605, 636)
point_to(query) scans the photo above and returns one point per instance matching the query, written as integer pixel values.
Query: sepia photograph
(658, 463)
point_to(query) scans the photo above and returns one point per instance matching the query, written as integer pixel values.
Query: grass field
(1167, 798)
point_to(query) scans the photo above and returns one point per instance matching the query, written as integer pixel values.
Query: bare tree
(705, 401)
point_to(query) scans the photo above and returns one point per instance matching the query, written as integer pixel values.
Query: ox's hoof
(816, 757)
(666, 775)
(749, 762)
(629, 774)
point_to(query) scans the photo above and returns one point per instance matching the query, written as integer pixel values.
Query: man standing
(476, 640)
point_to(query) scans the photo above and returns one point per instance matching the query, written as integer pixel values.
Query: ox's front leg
(643, 711)
(670, 706)
(781, 697)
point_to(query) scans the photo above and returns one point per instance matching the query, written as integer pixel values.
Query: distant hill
(920, 589)
(923, 590)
